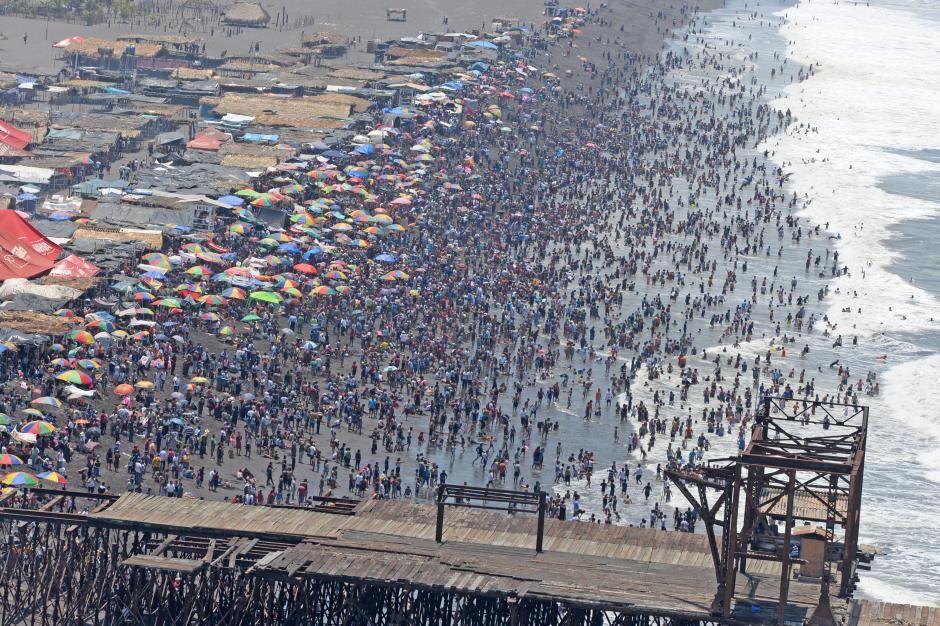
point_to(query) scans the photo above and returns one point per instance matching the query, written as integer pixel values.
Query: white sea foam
(872, 99)
(912, 396)
(873, 93)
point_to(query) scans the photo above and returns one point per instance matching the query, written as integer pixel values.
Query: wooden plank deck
(390, 542)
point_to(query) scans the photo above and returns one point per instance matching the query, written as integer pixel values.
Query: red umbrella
(306, 268)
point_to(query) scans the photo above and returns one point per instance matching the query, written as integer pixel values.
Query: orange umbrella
(124, 390)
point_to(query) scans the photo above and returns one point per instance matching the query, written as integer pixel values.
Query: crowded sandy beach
(551, 252)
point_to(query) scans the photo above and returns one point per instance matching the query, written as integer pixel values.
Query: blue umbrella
(232, 200)
(314, 251)
(365, 149)
(386, 258)
(288, 247)
(26, 197)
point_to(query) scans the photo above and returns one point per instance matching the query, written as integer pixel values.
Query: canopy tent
(13, 136)
(24, 251)
(74, 266)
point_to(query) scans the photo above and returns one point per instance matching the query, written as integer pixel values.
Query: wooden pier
(152, 561)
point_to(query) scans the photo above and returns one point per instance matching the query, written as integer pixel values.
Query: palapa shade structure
(246, 14)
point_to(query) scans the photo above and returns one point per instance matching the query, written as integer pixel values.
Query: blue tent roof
(487, 45)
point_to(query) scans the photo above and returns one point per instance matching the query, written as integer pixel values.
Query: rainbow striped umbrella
(81, 336)
(53, 477)
(75, 377)
(47, 401)
(10, 460)
(20, 479)
(38, 427)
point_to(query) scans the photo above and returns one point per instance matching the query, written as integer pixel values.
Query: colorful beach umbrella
(20, 479)
(47, 401)
(10, 460)
(124, 389)
(53, 477)
(75, 377)
(38, 428)
(81, 336)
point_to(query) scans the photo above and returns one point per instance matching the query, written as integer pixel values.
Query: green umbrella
(265, 296)
(251, 317)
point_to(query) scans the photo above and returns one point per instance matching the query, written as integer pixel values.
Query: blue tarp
(365, 149)
(260, 137)
(486, 45)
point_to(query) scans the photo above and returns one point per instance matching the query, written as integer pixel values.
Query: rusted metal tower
(805, 463)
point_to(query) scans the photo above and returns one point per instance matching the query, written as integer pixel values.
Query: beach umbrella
(336, 275)
(199, 380)
(10, 460)
(236, 229)
(89, 364)
(199, 270)
(251, 317)
(20, 479)
(213, 300)
(265, 296)
(75, 377)
(236, 293)
(231, 200)
(53, 477)
(38, 427)
(99, 324)
(48, 401)
(305, 268)
(247, 193)
(226, 331)
(32, 412)
(124, 390)
(323, 290)
(81, 336)
(143, 384)
(5, 420)
(170, 303)
(395, 275)
(65, 313)
(209, 317)
(386, 258)
(119, 334)
(143, 296)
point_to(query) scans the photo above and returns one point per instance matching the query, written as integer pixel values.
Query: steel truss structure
(805, 462)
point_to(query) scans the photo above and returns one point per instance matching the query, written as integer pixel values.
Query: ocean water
(871, 167)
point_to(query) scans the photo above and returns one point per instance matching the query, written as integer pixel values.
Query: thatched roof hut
(246, 14)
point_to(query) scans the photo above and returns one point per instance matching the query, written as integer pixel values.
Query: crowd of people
(552, 278)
